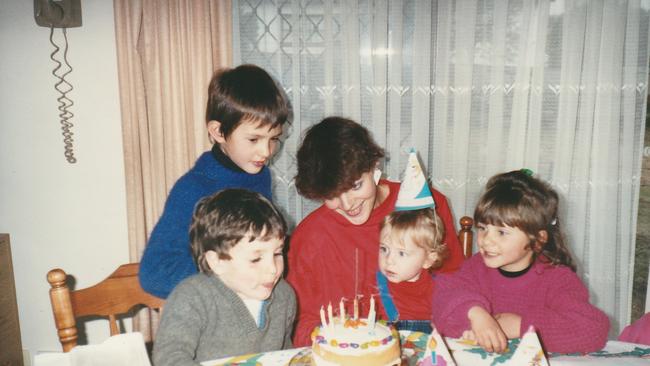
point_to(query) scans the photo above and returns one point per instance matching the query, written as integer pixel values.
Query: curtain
(478, 88)
(167, 52)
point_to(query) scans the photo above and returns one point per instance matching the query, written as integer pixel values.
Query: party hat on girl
(529, 351)
(414, 193)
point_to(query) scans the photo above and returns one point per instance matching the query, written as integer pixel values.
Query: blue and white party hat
(414, 193)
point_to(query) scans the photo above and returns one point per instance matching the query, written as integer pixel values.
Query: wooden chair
(465, 235)
(117, 294)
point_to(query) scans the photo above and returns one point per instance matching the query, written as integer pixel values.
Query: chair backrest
(117, 294)
(465, 235)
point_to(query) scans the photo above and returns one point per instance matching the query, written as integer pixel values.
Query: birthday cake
(355, 342)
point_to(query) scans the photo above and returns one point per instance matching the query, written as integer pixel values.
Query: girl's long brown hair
(517, 199)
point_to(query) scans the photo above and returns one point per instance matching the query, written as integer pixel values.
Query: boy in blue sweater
(245, 115)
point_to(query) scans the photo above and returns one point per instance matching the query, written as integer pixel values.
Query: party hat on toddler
(436, 352)
(414, 193)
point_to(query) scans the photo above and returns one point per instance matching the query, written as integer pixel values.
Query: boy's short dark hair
(221, 220)
(245, 92)
(333, 156)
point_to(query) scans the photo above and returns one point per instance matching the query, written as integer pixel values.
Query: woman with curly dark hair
(334, 250)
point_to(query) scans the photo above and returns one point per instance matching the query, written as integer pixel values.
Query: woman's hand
(510, 323)
(487, 330)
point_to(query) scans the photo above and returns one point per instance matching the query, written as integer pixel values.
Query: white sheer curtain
(478, 87)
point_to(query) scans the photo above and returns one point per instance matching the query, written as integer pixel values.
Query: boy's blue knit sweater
(167, 259)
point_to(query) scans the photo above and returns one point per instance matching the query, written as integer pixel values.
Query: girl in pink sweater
(523, 275)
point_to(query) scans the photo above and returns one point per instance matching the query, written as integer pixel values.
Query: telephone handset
(61, 14)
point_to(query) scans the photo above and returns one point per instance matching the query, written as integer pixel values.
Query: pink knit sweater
(551, 298)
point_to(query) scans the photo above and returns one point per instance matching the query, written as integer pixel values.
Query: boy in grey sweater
(238, 303)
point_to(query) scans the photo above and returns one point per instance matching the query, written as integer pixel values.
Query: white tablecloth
(126, 349)
(614, 354)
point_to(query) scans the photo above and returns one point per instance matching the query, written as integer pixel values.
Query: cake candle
(342, 311)
(356, 308)
(371, 313)
(323, 321)
(329, 314)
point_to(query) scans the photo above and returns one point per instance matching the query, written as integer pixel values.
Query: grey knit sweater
(203, 320)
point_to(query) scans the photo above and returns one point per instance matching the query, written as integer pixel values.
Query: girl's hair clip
(527, 171)
(554, 222)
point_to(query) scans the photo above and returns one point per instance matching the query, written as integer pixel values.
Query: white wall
(59, 215)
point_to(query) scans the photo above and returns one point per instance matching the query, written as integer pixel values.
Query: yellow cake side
(385, 357)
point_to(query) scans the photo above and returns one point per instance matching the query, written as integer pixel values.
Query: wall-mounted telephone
(61, 14)
(58, 14)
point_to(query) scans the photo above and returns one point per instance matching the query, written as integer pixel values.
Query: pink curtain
(167, 52)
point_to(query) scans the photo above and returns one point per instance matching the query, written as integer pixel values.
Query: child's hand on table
(486, 330)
